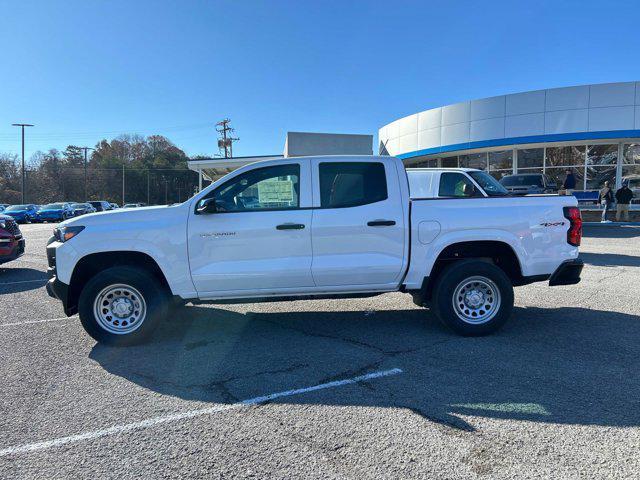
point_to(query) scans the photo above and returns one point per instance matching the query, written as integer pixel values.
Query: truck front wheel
(122, 306)
(473, 297)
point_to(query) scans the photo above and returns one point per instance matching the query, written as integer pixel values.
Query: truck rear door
(358, 224)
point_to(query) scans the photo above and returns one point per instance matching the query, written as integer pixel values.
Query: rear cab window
(351, 184)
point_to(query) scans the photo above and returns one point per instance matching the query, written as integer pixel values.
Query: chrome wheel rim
(476, 300)
(120, 309)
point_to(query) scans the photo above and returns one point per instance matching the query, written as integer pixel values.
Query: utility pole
(123, 184)
(166, 198)
(148, 189)
(22, 125)
(86, 196)
(225, 142)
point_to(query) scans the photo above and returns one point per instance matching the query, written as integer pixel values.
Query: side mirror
(206, 206)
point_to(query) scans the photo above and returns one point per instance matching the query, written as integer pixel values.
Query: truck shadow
(557, 365)
(15, 280)
(622, 231)
(610, 259)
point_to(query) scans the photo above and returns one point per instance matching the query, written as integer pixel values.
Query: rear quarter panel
(534, 227)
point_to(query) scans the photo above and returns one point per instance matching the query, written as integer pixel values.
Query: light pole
(86, 196)
(22, 125)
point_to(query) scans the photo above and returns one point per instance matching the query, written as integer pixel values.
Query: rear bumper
(568, 273)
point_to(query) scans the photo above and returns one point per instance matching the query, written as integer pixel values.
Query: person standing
(623, 198)
(606, 199)
(569, 183)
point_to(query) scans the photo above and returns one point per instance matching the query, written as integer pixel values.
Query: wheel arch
(498, 252)
(91, 264)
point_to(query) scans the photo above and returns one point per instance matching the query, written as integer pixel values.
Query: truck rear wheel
(122, 306)
(473, 298)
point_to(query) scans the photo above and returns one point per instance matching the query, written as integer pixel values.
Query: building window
(571, 156)
(557, 175)
(596, 176)
(450, 162)
(475, 160)
(430, 163)
(530, 158)
(501, 160)
(602, 155)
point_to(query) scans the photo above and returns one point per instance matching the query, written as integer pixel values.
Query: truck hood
(121, 217)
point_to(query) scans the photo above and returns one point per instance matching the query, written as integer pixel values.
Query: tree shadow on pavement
(610, 259)
(556, 365)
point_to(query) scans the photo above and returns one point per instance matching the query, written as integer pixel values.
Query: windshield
(79, 205)
(522, 180)
(53, 206)
(14, 208)
(489, 184)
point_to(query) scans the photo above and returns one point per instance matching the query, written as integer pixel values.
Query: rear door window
(350, 184)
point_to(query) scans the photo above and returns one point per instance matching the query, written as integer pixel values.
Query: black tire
(463, 272)
(152, 292)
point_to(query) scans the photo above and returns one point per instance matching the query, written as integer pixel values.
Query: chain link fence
(150, 186)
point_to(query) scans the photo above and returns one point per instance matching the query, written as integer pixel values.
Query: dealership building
(593, 130)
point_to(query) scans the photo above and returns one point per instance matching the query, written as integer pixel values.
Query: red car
(11, 240)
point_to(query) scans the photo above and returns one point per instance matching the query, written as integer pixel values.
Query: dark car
(22, 213)
(54, 212)
(82, 208)
(11, 240)
(528, 183)
(101, 205)
(3, 206)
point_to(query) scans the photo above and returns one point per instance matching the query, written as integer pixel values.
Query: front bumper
(56, 288)
(568, 273)
(60, 291)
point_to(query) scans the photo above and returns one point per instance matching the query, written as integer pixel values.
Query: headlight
(64, 234)
(3, 224)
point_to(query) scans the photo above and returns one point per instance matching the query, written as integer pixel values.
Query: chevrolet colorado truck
(317, 227)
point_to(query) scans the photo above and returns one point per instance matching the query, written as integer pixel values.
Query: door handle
(290, 226)
(381, 223)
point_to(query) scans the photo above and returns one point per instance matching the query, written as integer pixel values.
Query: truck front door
(258, 239)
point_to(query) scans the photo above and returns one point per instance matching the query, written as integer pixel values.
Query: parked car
(54, 212)
(633, 181)
(22, 213)
(3, 206)
(101, 205)
(528, 183)
(82, 208)
(11, 239)
(133, 205)
(325, 227)
(114, 206)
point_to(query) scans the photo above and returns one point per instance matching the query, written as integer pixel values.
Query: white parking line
(27, 322)
(151, 422)
(44, 280)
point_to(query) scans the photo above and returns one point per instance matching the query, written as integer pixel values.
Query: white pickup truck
(343, 226)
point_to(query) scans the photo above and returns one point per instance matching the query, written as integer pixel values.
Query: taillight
(574, 234)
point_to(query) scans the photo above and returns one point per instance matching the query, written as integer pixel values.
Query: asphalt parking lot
(368, 388)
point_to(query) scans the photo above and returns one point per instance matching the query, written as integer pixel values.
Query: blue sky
(86, 70)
